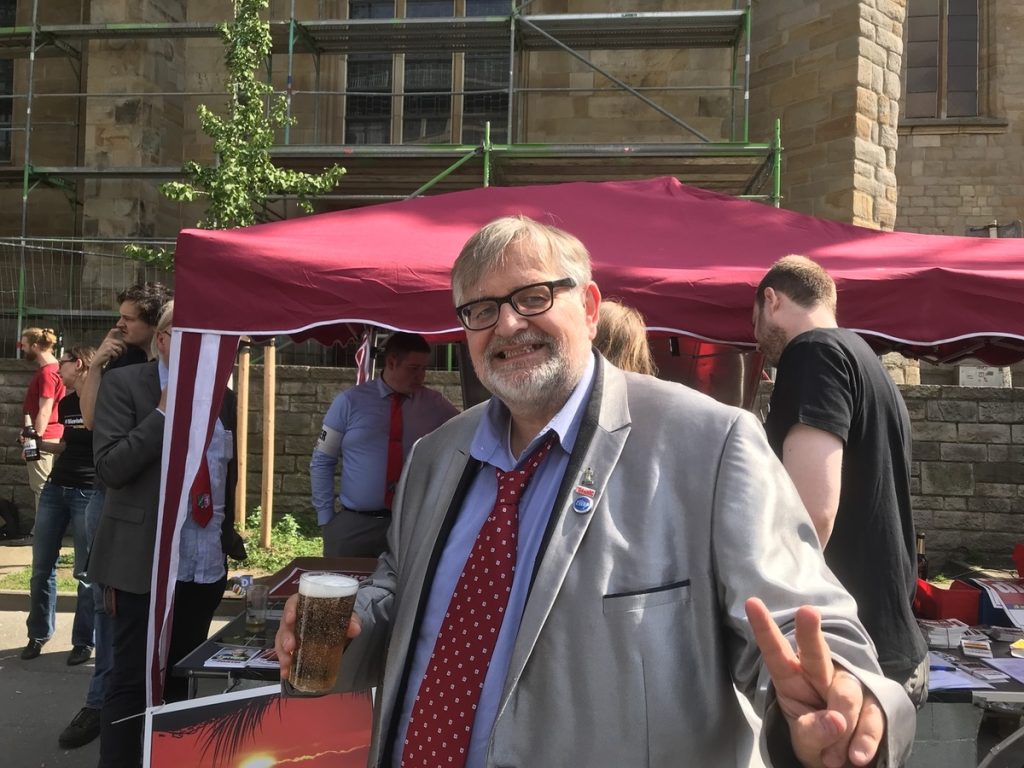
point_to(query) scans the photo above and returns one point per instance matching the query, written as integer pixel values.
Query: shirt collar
(491, 440)
(165, 372)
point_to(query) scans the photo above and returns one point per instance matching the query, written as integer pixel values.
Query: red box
(960, 601)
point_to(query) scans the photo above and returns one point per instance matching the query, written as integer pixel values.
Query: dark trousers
(121, 742)
(194, 604)
(351, 534)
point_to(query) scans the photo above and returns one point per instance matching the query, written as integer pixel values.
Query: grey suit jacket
(634, 631)
(127, 442)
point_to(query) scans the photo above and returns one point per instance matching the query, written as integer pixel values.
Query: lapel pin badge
(588, 477)
(582, 504)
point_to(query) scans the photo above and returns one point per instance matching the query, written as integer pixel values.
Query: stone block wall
(830, 70)
(968, 469)
(960, 173)
(303, 396)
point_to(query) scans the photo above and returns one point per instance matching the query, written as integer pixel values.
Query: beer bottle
(31, 438)
(922, 559)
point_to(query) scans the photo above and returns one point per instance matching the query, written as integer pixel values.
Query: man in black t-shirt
(840, 427)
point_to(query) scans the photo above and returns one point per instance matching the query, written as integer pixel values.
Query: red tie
(394, 471)
(201, 498)
(445, 706)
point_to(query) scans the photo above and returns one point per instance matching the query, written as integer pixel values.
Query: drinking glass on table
(256, 607)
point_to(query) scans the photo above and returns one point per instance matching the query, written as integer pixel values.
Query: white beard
(533, 387)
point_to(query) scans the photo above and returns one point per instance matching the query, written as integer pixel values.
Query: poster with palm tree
(258, 728)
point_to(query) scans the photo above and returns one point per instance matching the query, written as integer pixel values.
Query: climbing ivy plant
(237, 185)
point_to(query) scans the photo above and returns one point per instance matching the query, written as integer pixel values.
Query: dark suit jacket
(127, 444)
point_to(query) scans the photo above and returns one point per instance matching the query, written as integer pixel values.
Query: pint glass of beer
(324, 609)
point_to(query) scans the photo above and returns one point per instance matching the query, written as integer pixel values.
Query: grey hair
(498, 244)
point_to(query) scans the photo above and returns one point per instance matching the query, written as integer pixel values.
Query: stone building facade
(957, 172)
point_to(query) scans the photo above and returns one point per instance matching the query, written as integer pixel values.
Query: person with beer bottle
(45, 391)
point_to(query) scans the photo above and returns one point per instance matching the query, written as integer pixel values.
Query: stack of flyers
(266, 660)
(232, 656)
(943, 633)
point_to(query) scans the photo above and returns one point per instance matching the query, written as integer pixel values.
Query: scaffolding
(728, 162)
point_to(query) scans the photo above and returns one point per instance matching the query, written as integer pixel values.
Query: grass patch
(289, 538)
(19, 580)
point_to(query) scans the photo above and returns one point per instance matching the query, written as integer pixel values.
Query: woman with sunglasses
(62, 504)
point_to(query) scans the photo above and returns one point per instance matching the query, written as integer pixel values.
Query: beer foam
(327, 585)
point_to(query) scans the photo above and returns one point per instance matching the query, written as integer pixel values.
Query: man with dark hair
(842, 431)
(127, 343)
(371, 428)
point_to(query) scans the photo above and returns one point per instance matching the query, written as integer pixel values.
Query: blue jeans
(59, 507)
(104, 631)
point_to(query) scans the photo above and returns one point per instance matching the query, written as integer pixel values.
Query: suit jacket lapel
(602, 435)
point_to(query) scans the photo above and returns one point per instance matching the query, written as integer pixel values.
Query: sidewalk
(38, 698)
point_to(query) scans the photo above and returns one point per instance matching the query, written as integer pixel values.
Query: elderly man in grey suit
(572, 564)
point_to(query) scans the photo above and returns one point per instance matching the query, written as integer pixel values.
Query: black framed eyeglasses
(528, 301)
(67, 360)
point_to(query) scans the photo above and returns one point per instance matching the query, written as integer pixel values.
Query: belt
(371, 512)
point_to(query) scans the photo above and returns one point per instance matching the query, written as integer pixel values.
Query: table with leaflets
(974, 672)
(235, 653)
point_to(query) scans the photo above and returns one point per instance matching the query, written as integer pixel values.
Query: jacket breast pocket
(641, 600)
(126, 512)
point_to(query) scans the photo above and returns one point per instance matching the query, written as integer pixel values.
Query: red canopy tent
(687, 258)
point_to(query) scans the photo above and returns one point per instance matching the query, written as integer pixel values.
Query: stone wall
(303, 396)
(968, 473)
(830, 70)
(968, 470)
(966, 172)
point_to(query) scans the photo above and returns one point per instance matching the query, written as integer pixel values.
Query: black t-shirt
(73, 468)
(131, 356)
(830, 379)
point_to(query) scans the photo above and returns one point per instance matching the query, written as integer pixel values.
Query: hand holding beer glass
(315, 626)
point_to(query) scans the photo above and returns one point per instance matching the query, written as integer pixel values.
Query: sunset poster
(258, 728)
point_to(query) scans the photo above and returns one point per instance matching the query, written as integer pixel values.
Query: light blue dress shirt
(491, 447)
(200, 556)
(355, 430)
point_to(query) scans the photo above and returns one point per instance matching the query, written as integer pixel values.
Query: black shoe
(83, 728)
(79, 655)
(33, 649)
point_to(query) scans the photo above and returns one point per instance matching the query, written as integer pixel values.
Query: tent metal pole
(242, 431)
(267, 489)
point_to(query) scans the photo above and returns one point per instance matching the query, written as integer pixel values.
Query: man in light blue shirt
(356, 430)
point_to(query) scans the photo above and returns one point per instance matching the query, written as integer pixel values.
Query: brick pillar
(830, 69)
(133, 130)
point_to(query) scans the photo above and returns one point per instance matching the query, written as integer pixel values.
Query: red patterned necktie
(201, 497)
(445, 706)
(394, 470)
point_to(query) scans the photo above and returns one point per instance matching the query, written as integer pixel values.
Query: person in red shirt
(45, 391)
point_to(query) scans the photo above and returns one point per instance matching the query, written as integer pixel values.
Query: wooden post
(267, 494)
(242, 432)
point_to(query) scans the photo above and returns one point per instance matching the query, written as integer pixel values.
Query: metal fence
(71, 285)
